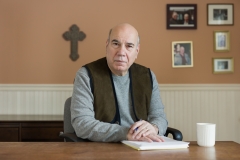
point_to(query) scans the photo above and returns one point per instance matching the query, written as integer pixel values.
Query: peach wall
(32, 50)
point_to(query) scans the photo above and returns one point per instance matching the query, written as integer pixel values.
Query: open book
(167, 144)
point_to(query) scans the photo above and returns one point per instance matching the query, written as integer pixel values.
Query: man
(176, 49)
(112, 95)
(182, 58)
(174, 19)
(186, 19)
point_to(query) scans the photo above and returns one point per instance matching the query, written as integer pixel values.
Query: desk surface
(93, 150)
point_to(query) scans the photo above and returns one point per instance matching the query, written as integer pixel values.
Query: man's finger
(155, 138)
(138, 134)
(136, 125)
(145, 139)
(148, 132)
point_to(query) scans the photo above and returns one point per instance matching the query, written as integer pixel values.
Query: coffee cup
(206, 134)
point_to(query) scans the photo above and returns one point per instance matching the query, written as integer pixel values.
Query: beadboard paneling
(186, 105)
(33, 99)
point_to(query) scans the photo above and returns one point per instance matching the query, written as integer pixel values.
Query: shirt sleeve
(156, 113)
(82, 114)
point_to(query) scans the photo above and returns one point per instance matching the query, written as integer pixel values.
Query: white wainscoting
(34, 99)
(185, 105)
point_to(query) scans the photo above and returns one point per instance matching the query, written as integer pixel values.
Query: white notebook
(167, 144)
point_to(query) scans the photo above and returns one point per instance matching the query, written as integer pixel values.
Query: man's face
(122, 49)
(175, 15)
(186, 17)
(178, 47)
(182, 50)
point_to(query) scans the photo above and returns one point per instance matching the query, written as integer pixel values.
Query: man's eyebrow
(114, 40)
(130, 44)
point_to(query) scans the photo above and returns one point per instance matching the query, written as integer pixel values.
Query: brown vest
(105, 100)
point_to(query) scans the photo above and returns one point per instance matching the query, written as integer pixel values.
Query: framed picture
(223, 65)
(182, 54)
(181, 16)
(220, 14)
(221, 41)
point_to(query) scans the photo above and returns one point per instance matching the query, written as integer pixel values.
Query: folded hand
(143, 131)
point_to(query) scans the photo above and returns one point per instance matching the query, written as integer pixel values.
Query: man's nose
(122, 50)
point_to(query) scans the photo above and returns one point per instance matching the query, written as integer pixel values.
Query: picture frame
(220, 14)
(223, 65)
(181, 16)
(221, 41)
(182, 54)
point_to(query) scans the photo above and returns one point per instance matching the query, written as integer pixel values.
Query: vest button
(117, 122)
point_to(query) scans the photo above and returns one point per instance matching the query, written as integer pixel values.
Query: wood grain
(94, 150)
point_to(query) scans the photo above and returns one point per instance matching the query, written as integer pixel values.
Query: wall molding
(185, 105)
(34, 87)
(199, 87)
(162, 86)
(68, 87)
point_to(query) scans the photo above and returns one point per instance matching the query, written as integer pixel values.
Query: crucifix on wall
(74, 35)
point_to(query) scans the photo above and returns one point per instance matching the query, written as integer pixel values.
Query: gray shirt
(178, 59)
(82, 110)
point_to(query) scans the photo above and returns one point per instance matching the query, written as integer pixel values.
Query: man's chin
(121, 69)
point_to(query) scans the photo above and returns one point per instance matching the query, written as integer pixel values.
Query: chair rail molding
(185, 105)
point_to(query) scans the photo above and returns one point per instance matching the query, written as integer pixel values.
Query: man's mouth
(120, 61)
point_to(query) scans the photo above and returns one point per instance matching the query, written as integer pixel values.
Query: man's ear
(107, 42)
(137, 50)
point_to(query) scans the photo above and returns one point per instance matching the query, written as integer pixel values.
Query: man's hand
(143, 131)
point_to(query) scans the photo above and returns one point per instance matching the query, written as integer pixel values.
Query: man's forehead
(121, 40)
(123, 37)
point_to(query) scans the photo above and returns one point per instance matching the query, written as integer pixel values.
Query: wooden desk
(27, 128)
(93, 150)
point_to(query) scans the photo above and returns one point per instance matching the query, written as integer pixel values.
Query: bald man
(187, 20)
(174, 18)
(115, 99)
(182, 58)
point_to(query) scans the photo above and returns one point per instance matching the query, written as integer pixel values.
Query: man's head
(177, 47)
(122, 48)
(182, 50)
(174, 15)
(186, 17)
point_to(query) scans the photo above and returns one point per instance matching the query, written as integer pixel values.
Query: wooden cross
(74, 35)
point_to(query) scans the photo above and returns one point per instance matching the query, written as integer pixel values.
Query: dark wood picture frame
(181, 16)
(220, 14)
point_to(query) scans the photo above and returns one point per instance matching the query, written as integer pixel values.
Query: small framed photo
(223, 65)
(182, 54)
(181, 16)
(220, 14)
(221, 41)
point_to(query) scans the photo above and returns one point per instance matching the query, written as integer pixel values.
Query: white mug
(206, 134)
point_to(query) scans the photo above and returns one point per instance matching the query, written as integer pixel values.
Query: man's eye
(115, 44)
(130, 46)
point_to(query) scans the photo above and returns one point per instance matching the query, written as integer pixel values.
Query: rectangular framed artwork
(223, 65)
(220, 14)
(181, 16)
(221, 41)
(182, 54)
